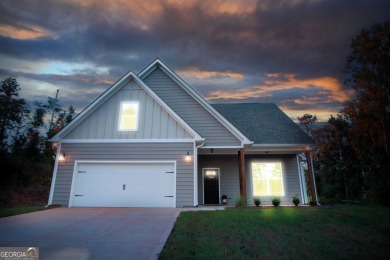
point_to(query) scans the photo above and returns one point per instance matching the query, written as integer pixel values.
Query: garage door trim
(77, 162)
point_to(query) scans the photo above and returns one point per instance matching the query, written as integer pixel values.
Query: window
(267, 179)
(128, 116)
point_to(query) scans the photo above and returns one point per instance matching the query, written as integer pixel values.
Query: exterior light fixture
(188, 157)
(62, 157)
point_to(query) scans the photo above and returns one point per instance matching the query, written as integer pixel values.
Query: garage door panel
(124, 185)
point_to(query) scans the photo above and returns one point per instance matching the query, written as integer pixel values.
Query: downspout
(196, 203)
(53, 180)
(314, 179)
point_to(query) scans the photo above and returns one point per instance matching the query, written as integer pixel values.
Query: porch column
(311, 175)
(241, 171)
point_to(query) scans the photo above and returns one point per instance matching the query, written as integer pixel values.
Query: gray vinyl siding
(229, 178)
(127, 152)
(228, 175)
(190, 110)
(290, 178)
(153, 121)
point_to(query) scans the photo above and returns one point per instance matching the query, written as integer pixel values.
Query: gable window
(267, 178)
(128, 116)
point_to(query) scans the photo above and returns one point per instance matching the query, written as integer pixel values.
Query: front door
(211, 186)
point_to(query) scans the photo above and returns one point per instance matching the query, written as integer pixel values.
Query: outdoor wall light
(62, 156)
(188, 157)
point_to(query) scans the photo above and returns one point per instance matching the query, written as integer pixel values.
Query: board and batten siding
(229, 178)
(190, 110)
(153, 122)
(127, 152)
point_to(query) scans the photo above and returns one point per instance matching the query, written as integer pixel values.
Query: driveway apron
(91, 233)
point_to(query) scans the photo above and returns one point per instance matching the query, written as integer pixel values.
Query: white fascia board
(89, 108)
(105, 141)
(198, 97)
(188, 128)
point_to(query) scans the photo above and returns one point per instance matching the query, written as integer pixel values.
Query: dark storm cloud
(309, 39)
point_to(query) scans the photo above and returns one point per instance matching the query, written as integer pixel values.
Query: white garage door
(123, 185)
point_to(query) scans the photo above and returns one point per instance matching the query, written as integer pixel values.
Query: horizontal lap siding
(290, 178)
(229, 177)
(127, 152)
(228, 170)
(190, 110)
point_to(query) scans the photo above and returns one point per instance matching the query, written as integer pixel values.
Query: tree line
(27, 157)
(352, 157)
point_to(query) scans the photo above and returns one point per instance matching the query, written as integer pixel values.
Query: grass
(11, 211)
(339, 232)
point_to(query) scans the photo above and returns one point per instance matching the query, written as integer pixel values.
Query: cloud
(223, 48)
(24, 32)
(203, 74)
(328, 87)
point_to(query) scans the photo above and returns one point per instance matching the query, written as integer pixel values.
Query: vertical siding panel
(148, 118)
(154, 121)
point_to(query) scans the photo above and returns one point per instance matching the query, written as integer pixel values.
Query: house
(151, 140)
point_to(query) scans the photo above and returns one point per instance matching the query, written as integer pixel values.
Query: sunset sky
(289, 52)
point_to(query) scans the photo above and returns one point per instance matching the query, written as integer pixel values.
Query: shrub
(313, 202)
(276, 201)
(241, 202)
(257, 201)
(296, 200)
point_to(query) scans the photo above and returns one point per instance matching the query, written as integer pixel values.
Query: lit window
(128, 117)
(267, 179)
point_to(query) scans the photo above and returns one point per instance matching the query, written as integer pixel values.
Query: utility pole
(52, 112)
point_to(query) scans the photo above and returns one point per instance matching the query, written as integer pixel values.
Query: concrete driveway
(91, 233)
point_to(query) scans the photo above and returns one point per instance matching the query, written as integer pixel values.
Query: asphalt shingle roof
(263, 123)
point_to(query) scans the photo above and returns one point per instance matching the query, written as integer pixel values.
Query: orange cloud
(329, 86)
(322, 114)
(203, 74)
(23, 32)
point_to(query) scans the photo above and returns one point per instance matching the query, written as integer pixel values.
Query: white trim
(221, 147)
(282, 173)
(92, 105)
(244, 140)
(282, 145)
(70, 141)
(77, 162)
(167, 108)
(54, 178)
(122, 103)
(301, 180)
(111, 91)
(219, 183)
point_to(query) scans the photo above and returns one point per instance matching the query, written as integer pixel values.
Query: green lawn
(11, 211)
(339, 232)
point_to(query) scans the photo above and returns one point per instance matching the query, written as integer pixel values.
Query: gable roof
(196, 96)
(108, 93)
(265, 124)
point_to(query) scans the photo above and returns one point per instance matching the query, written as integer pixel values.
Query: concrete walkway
(91, 233)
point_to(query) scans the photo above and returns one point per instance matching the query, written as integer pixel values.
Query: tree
(307, 121)
(368, 72)
(13, 110)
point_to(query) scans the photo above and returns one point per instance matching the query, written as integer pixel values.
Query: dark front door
(211, 186)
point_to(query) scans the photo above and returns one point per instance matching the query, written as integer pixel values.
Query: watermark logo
(19, 253)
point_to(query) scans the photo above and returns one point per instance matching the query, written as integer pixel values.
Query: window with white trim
(128, 116)
(267, 179)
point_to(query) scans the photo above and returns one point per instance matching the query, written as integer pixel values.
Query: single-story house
(151, 140)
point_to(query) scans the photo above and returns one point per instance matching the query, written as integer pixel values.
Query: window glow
(128, 118)
(267, 179)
